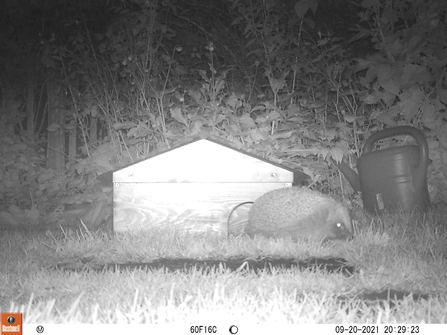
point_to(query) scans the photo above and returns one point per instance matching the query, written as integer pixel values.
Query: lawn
(397, 252)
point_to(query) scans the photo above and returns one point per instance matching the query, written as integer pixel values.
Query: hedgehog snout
(344, 231)
(341, 226)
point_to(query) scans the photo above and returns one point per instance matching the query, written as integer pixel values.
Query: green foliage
(20, 165)
(26, 183)
(405, 79)
(268, 76)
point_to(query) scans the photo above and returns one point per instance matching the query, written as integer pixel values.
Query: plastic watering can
(392, 178)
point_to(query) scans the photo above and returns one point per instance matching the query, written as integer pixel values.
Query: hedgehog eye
(339, 225)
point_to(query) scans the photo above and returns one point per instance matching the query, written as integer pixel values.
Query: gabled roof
(204, 160)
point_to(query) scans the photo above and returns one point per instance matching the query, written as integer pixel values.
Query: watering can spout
(350, 175)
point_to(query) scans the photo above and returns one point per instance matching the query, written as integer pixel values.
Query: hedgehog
(300, 213)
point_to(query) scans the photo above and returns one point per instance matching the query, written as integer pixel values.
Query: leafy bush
(404, 80)
(268, 76)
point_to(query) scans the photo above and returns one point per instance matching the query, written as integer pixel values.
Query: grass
(396, 251)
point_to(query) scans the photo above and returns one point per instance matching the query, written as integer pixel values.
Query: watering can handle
(403, 130)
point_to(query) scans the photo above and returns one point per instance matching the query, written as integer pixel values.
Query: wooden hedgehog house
(193, 187)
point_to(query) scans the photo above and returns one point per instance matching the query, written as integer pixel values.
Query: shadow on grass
(331, 265)
(387, 297)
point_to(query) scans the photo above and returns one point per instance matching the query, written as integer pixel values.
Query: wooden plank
(190, 207)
